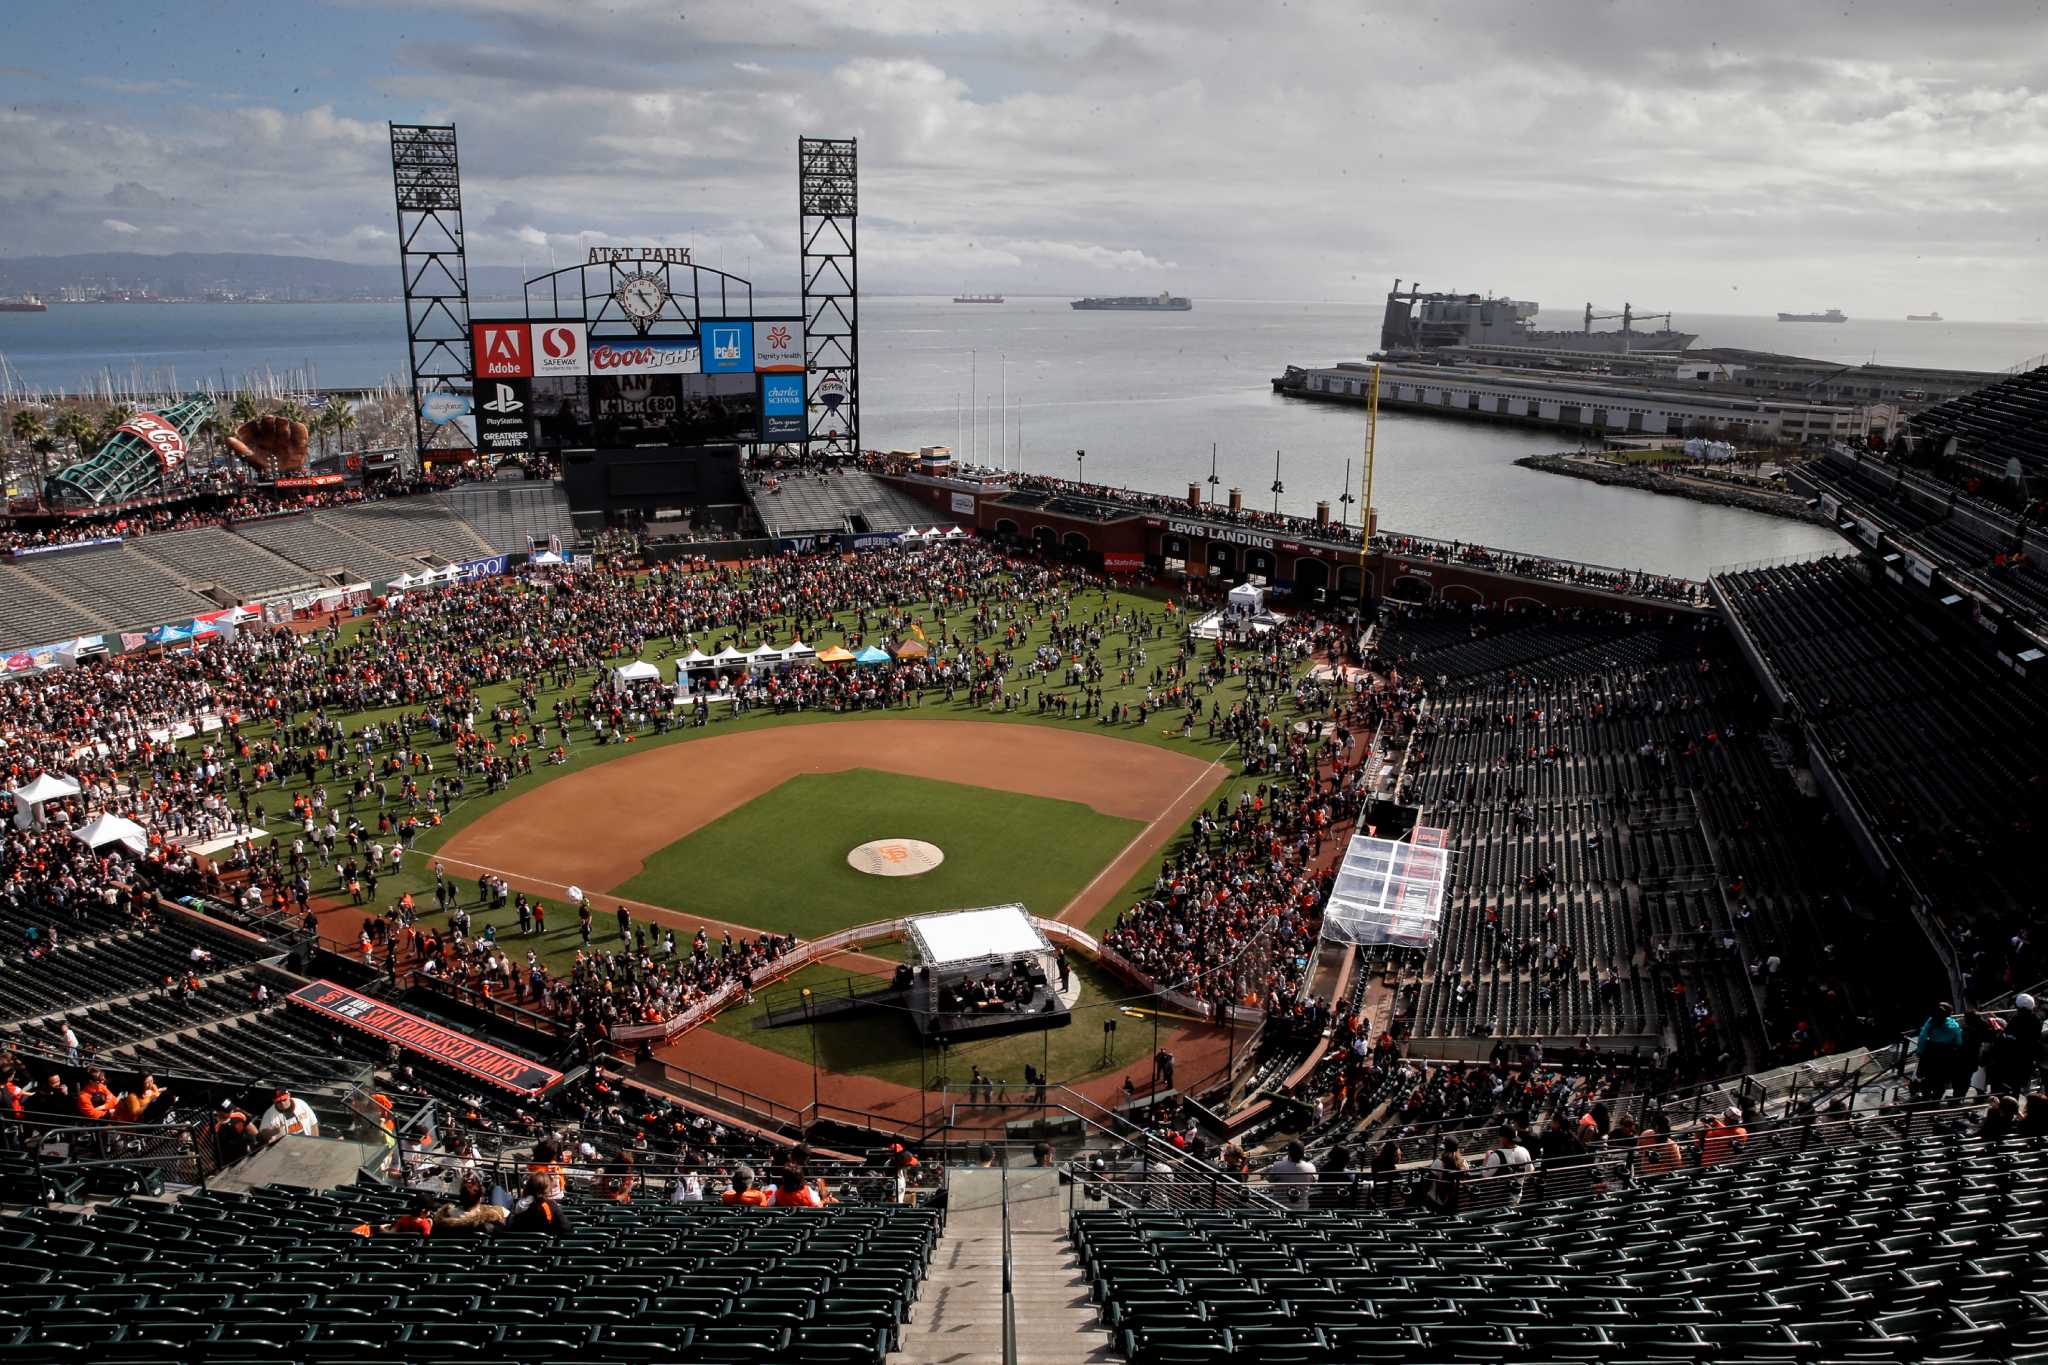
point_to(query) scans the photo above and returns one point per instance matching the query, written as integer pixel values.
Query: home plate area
(895, 857)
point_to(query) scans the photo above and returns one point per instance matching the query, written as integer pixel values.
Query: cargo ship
(1832, 315)
(1135, 303)
(1923, 317)
(1417, 321)
(27, 303)
(977, 298)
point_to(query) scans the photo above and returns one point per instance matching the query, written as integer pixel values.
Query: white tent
(764, 656)
(934, 534)
(957, 937)
(697, 659)
(104, 829)
(729, 658)
(912, 534)
(796, 651)
(547, 557)
(637, 671)
(1247, 599)
(27, 798)
(955, 533)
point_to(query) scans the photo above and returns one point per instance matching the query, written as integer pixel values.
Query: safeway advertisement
(649, 355)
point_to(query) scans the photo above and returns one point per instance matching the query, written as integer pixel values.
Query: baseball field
(744, 825)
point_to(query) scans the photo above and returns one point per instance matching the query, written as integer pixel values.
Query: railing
(739, 1102)
(1009, 1285)
(77, 1159)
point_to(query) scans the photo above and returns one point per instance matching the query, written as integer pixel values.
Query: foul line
(1143, 834)
(596, 911)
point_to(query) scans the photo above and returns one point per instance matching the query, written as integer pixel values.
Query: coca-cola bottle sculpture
(138, 460)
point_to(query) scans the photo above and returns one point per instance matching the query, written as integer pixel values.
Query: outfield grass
(779, 861)
(884, 1044)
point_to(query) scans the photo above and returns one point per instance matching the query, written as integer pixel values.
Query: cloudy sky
(1718, 157)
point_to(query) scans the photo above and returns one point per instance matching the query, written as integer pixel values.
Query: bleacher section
(1941, 745)
(2003, 421)
(1925, 1249)
(94, 962)
(513, 516)
(280, 1274)
(213, 555)
(321, 548)
(829, 504)
(1593, 804)
(30, 614)
(409, 527)
(118, 586)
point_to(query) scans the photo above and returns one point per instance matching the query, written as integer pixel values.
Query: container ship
(1832, 315)
(27, 303)
(1135, 303)
(977, 298)
(1923, 317)
(1417, 321)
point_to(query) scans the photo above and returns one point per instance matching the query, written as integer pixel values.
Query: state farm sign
(1196, 530)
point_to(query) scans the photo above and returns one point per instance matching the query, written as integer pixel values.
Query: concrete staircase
(959, 1319)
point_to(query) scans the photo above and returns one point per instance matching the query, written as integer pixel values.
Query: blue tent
(169, 635)
(871, 655)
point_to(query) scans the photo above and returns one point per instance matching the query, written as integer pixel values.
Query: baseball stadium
(599, 865)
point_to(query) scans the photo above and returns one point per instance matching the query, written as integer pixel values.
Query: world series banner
(501, 1068)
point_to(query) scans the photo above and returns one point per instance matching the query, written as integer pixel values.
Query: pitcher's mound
(895, 857)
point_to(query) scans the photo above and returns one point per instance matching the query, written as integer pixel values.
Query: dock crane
(1629, 317)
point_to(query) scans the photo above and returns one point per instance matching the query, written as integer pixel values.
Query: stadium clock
(640, 298)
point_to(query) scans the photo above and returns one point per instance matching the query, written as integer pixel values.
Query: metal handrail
(1009, 1285)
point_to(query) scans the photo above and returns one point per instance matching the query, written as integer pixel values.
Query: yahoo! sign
(648, 356)
(1196, 530)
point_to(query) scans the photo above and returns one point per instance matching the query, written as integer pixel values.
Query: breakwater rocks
(1769, 501)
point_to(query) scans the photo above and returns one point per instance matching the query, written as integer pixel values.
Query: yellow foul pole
(1372, 428)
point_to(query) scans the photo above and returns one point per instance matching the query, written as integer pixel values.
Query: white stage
(963, 937)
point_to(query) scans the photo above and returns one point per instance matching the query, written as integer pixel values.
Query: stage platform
(914, 993)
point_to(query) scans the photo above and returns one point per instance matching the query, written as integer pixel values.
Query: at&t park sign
(1199, 531)
(663, 255)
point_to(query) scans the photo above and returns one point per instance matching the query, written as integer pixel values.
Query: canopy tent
(833, 654)
(912, 649)
(871, 655)
(170, 635)
(963, 937)
(764, 656)
(105, 828)
(955, 533)
(698, 659)
(29, 796)
(546, 558)
(934, 533)
(912, 534)
(729, 658)
(796, 651)
(1247, 599)
(637, 671)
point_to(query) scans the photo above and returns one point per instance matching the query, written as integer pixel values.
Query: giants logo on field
(560, 348)
(500, 350)
(159, 435)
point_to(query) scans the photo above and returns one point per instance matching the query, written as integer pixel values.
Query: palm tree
(44, 446)
(244, 409)
(78, 429)
(117, 416)
(341, 418)
(290, 410)
(213, 427)
(27, 429)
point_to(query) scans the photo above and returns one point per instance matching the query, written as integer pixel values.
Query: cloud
(117, 225)
(1620, 152)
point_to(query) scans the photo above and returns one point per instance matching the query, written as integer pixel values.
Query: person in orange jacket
(95, 1098)
(743, 1191)
(133, 1105)
(1724, 1138)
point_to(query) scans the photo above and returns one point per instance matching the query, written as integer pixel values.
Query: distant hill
(189, 274)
